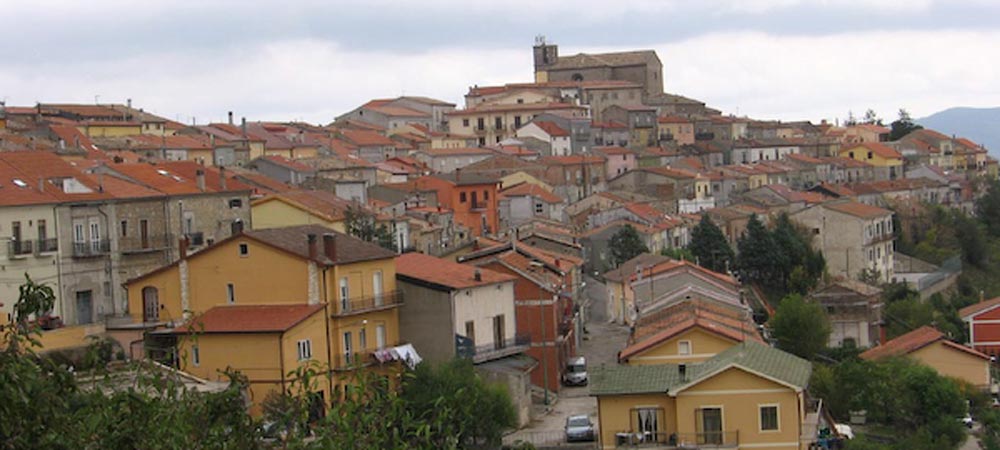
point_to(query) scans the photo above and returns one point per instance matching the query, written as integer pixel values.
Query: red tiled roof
(365, 138)
(249, 319)
(737, 330)
(445, 273)
(672, 119)
(513, 107)
(288, 163)
(858, 209)
(572, 159)
(320, 203)
(613, 150)
(455, 151)
(977, 308)
(879, 149)
(551, 128)
(913, 341)
(533, 190)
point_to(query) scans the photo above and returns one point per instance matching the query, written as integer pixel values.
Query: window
(344, 294)
(347, 347)
(481, 124)
(95, 235)
(188, 222)
(869, 155)
(244, 249)
(195, 356)
(461, 197)
(380, 336)
(470, 331)
(499, 332)
(362, 339)
(15, 231)
(539, 208)
(486, 195)
(231, 293)
(235, 203)
(517, 121)
(465, 123)
(498, 122)
(124, 228)
(305, 348)
(684, 348)
(78, 233)
(851, 154)
(769, 418)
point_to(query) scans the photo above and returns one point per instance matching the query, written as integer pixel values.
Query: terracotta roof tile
(551, 128)
(858, 209)
(913, 341)
(533, 190)
(879, 149)
(365, 138)
(445, 273)
(295, 240)
(977, 308)
(249, 319)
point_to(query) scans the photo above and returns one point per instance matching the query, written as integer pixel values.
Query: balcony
(480, 204)
(43, 246)
(366, 357)
(661, 440)
(91, 249)
(359, 305)
(19, 249)
(138, 244)
(493, 350)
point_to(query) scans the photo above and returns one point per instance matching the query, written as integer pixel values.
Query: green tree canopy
(801, 328)
(902, 126)
(625, 245)
(760, 259)
(988, 208)
(361, 224)
(710, 247)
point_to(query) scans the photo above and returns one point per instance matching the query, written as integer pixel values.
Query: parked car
(576, 372)
(579, 428)
(967, 421)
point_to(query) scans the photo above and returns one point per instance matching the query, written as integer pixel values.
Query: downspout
(329, 350)
(281, 359)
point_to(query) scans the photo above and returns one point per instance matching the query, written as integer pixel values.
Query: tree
(625, 245)
(361, 224)
(871, 118)
(800, 327)
(760, 259)
(709, 246)
(453, 393)
(988, 209)
(902, 126)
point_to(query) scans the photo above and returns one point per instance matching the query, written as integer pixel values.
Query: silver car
(579, 428)
(576, 372)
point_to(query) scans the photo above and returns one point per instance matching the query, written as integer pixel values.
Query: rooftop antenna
(539, 39)
(96, 98)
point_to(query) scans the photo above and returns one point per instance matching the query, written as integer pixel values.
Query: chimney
(458, 174)
(313, 248)
(128, 102)
(100, 181)
(222, 178)
(230, 117)
(881, 332)
(478, 276)
(41, 184)
(200, 179)
(682, 371)
(330, 246)
(182, 246)
(243, 126)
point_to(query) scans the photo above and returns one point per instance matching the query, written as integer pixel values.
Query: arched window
(577, 77)
(150, 304)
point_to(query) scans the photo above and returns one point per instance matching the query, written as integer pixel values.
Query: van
(576, 372)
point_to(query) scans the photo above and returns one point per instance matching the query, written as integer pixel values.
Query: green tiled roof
(663, 378)
(620, 379)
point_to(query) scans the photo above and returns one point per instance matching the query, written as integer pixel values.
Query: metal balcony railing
(480, 204)
(196, 239)
(138, 244)
(91, 248)
(659, 439)
(358, 305)
(494, 350)
(19, 248)
(47, 245)
(360, 358)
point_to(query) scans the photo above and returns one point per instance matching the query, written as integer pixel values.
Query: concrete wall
(427, 321)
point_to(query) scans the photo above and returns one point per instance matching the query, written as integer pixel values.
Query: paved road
(601, 344)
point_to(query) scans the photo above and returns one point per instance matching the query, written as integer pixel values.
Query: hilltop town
(715, 272)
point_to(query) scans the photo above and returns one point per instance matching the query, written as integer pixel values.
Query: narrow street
(601, 343)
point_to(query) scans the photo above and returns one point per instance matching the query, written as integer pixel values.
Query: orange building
(473, 198)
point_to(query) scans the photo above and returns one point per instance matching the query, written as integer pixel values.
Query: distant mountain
(981, 125)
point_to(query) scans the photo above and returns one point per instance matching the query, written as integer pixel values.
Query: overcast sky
(312, 60)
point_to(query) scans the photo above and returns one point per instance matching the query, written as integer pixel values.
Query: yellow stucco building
(299, 208)
(748, 396)
(340, 291)
(932, 348)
